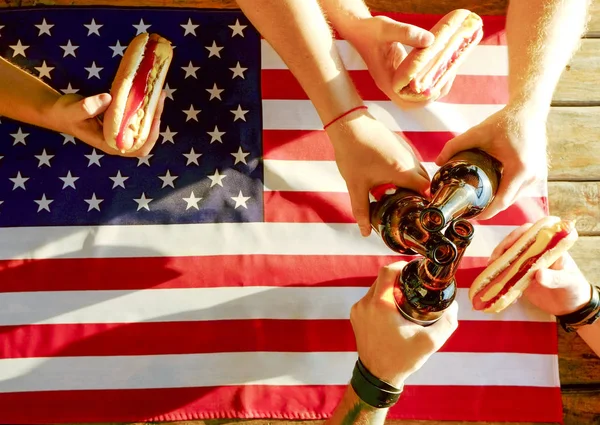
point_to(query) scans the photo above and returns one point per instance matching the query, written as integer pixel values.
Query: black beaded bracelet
(371, 389)
(586, 315)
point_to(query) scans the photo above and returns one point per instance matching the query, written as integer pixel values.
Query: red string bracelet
(343, 115)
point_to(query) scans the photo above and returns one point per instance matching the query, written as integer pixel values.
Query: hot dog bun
(136, 91)
(423, 73)
(505, 279)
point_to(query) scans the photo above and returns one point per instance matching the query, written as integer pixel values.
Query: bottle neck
(450, 202)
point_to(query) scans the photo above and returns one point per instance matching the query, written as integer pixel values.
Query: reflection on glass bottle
(463, 187)
(395, 217)
(426, 288)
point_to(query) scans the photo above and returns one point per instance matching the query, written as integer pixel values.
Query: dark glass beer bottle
(462, 188)
(395, 217)
(425, 288)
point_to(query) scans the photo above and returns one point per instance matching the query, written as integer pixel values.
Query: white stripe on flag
(261, 368)
(324, 176)
(438, 116)
(205, 304)
(209, 239)
(484, 60)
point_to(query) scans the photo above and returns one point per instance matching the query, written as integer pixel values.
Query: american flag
(214, 277)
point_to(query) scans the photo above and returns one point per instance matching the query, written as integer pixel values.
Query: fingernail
(364, 231)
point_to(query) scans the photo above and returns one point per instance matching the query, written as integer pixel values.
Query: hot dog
(505, 279)
(136, 91)
(423, 73)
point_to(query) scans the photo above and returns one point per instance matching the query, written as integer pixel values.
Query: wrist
(50, 116)
(372, 390)
(586, 314)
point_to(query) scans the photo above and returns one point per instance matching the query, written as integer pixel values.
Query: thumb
(387, 277)
(406, 34)
(464, 141)
(90, 107)
(412, 180)
(552, 279)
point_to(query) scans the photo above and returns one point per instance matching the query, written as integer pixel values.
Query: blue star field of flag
(206, 165)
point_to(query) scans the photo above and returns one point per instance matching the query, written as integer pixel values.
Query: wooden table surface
(574, 179)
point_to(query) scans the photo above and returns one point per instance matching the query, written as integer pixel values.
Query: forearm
(24, 97)
(298, 32)
(342, 14)
(542, 36)
(591, 335)
(354, 411)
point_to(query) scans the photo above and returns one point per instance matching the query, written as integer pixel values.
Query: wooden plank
(586, 253)
(484, 7)
(577, 85)
(578, 201)
(574, 143)
(578, 364)
(593, 29)
(581, 407)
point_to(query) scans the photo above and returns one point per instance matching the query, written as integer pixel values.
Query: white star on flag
(44, 203)
(240, 156)
(240, 200)
(44, 70)
(94, 158)
(168, 180)
(192, 201)
(141, 27)
(239, 113)
(44, 28)
(94, 71)
(69, 180)
(68, 138)
(215, 135)
(19, 181)
(69, 49)
(118, 49)
(93, 203)
(238, 71)
(44, 159)
(168, 135)
(190, 70)
(118, 180)
(191, 114)
(93, 28)
(217, 179)
(237, 29)
(143, 202)
(69, 90)
(19, 49)
(189, 28)
(192, 157)
(215, 92)
(214, 50)
(145, 159)
(169, 91)
(19, 137)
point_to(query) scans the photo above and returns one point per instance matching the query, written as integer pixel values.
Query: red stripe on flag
(205, 272)
(464, 403)
(334, 207)
(227, 336)
(314, 145)
(466, 89)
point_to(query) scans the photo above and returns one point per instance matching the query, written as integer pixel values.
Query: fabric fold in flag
(214, 277)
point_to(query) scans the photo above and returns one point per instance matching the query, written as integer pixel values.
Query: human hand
(391, 347)
(368, 154)
(558, 290)
(517, 138)
(379, 40)
(78, 116)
